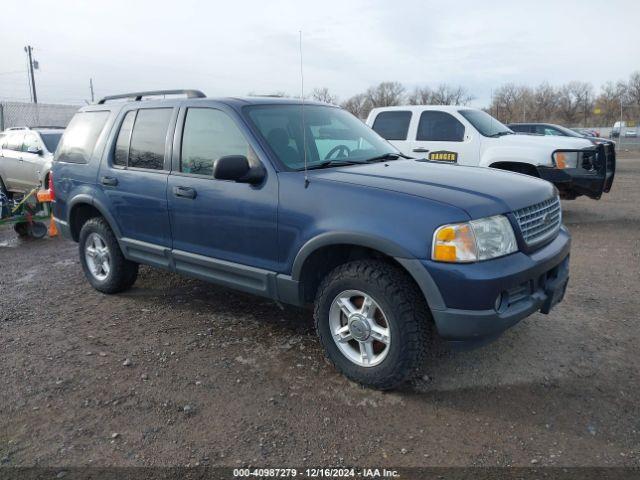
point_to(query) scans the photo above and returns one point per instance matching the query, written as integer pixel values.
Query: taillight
(50, 186)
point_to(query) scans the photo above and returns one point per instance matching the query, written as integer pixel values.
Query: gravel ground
(180, 372)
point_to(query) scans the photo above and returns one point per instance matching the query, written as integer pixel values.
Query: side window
(392, 125)
(209, 134)
(148, 138)
(552, 131)
(30, 140)
(14, 142)
(80, 137)
(121, 153)
(439, 127)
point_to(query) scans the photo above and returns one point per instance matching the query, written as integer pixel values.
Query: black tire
(22, 229)
(406, 313)
(123, 273)
(37, 230)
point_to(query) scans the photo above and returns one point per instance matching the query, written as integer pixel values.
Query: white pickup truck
(468, 136)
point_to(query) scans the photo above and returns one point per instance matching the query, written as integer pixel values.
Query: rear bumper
(516, 287)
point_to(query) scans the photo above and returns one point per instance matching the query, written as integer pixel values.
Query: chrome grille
(539, 222)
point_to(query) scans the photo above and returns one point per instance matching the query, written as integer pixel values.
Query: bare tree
(608, 102)
(323, 95)
(575, 102)
(358, 105)
(386, 94)
(633, 93)
(511, 102)
(443, 95)
(544, 102)
(449, 95)
(420, 96)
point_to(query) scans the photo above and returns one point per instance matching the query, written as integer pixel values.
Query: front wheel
(102, 261)
(372, 321)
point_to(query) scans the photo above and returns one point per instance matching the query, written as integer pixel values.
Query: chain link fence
(20, 114)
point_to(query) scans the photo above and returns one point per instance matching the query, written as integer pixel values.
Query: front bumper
(507, 290)
(591, 180)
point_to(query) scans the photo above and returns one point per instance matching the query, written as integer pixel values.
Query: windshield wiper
(386, 156)
(502, 133)
(333, 163)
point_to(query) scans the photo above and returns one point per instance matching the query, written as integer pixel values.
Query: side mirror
(36, 150)
(237, 169)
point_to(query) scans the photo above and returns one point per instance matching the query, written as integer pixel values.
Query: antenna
(304, 130)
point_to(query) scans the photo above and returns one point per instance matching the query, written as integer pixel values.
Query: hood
(552, 142)
(479, 191)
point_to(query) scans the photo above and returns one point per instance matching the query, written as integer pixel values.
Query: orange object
(53, 230)
(44, 196)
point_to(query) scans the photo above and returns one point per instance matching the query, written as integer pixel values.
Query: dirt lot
(179, 372)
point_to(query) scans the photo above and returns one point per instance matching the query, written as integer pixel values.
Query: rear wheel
(372, 321)
(102, 261)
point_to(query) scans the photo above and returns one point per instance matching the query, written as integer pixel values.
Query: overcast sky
(230, 48)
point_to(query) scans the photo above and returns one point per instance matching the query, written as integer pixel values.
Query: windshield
(51, 140)
(485, 123)
(333, 136)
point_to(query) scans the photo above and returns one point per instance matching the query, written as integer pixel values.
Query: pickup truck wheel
(102, 261)
(372, 322)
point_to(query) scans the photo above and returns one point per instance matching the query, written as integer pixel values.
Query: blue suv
(304, 204)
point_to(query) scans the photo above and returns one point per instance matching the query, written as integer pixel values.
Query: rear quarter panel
(76, 182)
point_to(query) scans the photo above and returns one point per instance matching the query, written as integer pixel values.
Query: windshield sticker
(444, 156)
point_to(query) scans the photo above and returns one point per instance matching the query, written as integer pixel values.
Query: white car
(630, 132)
(26, 154)
(472, 137)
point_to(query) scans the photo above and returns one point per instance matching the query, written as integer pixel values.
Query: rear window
(392, 125)
(148, 138)
(80, 137)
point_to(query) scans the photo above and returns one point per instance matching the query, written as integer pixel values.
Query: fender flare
(345, 238)
(98, 205)
(412, 265)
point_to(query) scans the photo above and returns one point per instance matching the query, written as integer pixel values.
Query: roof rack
(137, 96)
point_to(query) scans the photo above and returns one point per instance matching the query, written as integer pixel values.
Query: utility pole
(28, 49)
(91, 88)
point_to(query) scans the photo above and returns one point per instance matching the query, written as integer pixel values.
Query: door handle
(184, 192)
(420, 150)
(109, 181)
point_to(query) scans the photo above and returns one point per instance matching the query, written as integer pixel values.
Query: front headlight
(481, 239)
(565, 159)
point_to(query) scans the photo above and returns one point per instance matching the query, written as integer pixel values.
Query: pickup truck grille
(539, 222)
